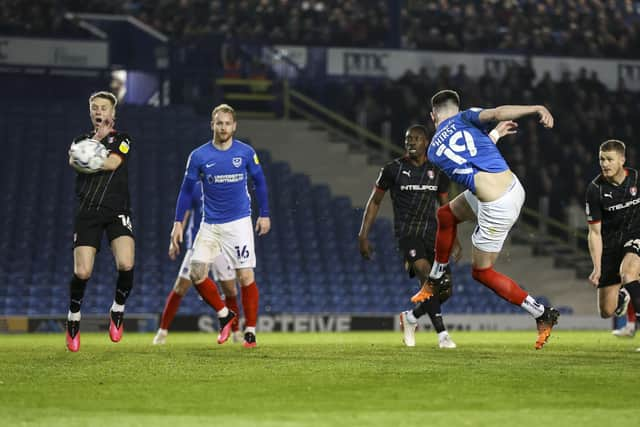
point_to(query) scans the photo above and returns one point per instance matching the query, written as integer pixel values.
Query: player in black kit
(103, 205)
(416, 185)
(613, 213)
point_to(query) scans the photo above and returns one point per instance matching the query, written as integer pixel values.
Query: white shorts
(221, 269)
(496, 218)
(233, 239)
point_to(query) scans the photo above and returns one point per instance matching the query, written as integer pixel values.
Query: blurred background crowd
(586, 111)
(598, 28)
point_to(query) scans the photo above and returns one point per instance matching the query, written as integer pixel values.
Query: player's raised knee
(627, 277)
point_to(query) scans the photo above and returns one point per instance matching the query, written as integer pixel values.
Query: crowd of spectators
(554, 165)
(307, 22)
(598, 28)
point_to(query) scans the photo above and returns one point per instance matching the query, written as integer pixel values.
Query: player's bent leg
(209, 293)
(630, 271)
(506, 288)
(609, 298)
(462, 209)
(250, 304)
(449, 216)
(83, 261)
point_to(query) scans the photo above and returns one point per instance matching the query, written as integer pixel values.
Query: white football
(88, 155)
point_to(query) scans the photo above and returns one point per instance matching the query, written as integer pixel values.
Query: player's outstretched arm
(595, 250)
(513, 112)
(368, 218)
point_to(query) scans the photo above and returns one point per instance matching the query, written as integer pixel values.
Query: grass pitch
(339, 379)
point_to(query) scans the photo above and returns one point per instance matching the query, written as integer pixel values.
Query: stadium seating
(309, 263)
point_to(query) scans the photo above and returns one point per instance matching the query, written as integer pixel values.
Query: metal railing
(300, 104)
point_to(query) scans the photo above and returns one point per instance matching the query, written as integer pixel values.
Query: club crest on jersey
(237, 161)
(633, 190)
(431, 174)
(124, 146)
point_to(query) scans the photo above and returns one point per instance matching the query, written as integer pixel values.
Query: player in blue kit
(221, 269)
(223, 166)
(463, 149)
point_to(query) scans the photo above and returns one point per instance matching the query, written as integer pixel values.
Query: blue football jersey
(461, 147)
(193, 225)
(224, 176)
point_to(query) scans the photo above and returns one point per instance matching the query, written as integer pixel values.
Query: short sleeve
(443, 183)
(385, 178)
(593, 207)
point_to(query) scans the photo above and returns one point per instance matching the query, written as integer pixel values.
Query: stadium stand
(556, 28)
(309, 263)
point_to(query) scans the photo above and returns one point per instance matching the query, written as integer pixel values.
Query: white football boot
(408, 329)
(161, 337)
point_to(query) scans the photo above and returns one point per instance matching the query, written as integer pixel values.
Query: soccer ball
(88, 155)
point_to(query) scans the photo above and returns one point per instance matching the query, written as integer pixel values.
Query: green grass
(491, 379)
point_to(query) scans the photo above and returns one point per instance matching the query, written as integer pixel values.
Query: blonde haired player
(103, 206)
(223, 165)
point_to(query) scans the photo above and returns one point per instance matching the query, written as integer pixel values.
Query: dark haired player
(613, 214)
(462, 148)
(415, 185)
(103, 206)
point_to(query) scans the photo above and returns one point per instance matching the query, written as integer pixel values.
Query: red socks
(232, 304)
(209, 293)
(631, 314)
(170, 309)
(446, 233)
(500, 284)
(250, 299)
